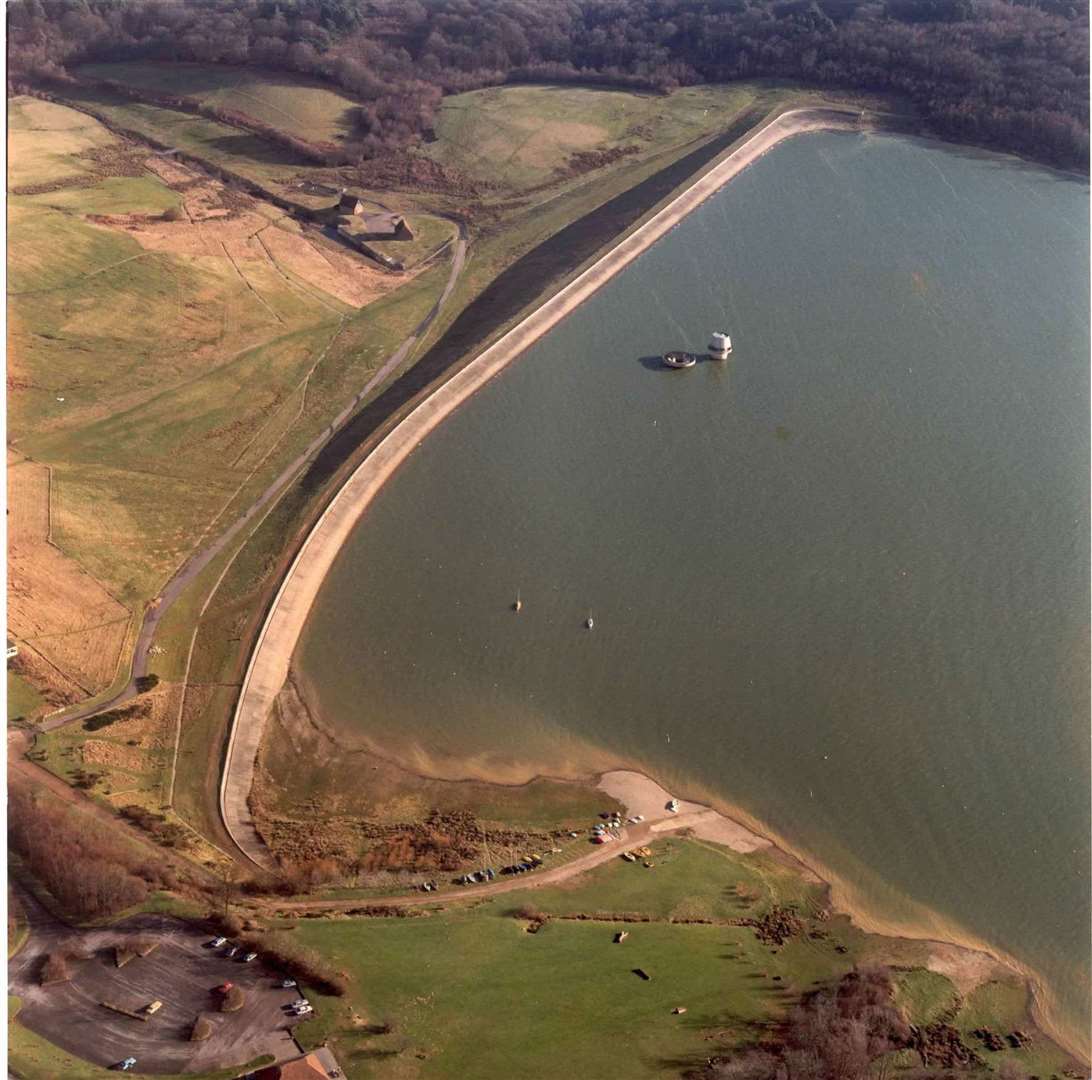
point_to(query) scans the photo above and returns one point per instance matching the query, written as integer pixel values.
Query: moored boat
(679, 359)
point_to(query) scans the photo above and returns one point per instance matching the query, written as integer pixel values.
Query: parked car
(250, 956)
(217, 942)
(287, 984)
(223, 988)
(127, 1064)
(232, 951)
(154, 1007)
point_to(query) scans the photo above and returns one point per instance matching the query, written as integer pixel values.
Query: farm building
(384, 227)
(349, 204)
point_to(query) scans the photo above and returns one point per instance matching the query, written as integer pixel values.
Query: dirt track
(269, 663)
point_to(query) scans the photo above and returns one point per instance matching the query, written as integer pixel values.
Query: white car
(217, 942)
(250, 956)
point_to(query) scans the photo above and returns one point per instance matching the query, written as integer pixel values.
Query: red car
(223, 988)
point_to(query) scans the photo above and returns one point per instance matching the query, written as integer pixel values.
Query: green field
(298, 106)
(468, 991)
(219, 144)
(23, 699)
(517, 136)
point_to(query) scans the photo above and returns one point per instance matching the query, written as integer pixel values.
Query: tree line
(1012, 74)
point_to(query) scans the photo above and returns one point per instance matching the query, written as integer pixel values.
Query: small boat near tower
(720, 347)
(679, 359)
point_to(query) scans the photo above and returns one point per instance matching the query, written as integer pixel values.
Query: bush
(144, 683)
(55, 969)
(202, 1029)
(96, 723)
(173, 213)
(89, 871)
(233, 1000)
(299, 961)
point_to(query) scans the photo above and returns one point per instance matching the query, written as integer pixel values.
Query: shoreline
(299, 589)
(267, 669)
(959, 955)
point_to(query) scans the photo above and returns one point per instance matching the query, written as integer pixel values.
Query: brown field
(254, 236)
(56, 608)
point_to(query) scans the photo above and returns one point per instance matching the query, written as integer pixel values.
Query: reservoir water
(840, 581)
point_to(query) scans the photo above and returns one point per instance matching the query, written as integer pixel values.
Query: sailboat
(518, 605)
(589, 622)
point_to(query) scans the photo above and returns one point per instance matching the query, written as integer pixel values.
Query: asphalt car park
(182, 972)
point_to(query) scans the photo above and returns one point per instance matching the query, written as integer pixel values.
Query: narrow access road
(630, 836)
(199, 559)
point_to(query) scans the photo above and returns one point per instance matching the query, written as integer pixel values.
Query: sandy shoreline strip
(270, 660)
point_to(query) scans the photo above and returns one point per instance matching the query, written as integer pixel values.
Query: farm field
(169, 342)
(519, 137)
(298, 106)
(477, 990)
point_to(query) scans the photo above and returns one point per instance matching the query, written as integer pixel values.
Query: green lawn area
(299, 106)
(1002, 1006)
(691, 879)
(112, 195)
(469, 992)
(925, 995)
(23, 699)
(517, 136)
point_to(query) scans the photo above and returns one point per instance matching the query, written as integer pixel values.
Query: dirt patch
(173, 173)
(541, 148)
(54, 606)
(967, 968)
(334, 271)
(218, 224)
(113, 755)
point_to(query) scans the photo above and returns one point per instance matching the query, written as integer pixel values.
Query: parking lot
(181, 972)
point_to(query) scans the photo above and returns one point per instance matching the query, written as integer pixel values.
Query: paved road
(197, 562)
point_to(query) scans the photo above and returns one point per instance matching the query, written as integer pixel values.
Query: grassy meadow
(23, 699)
(165, 371)
(298, 106)
(468, 991)
(518, 137)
